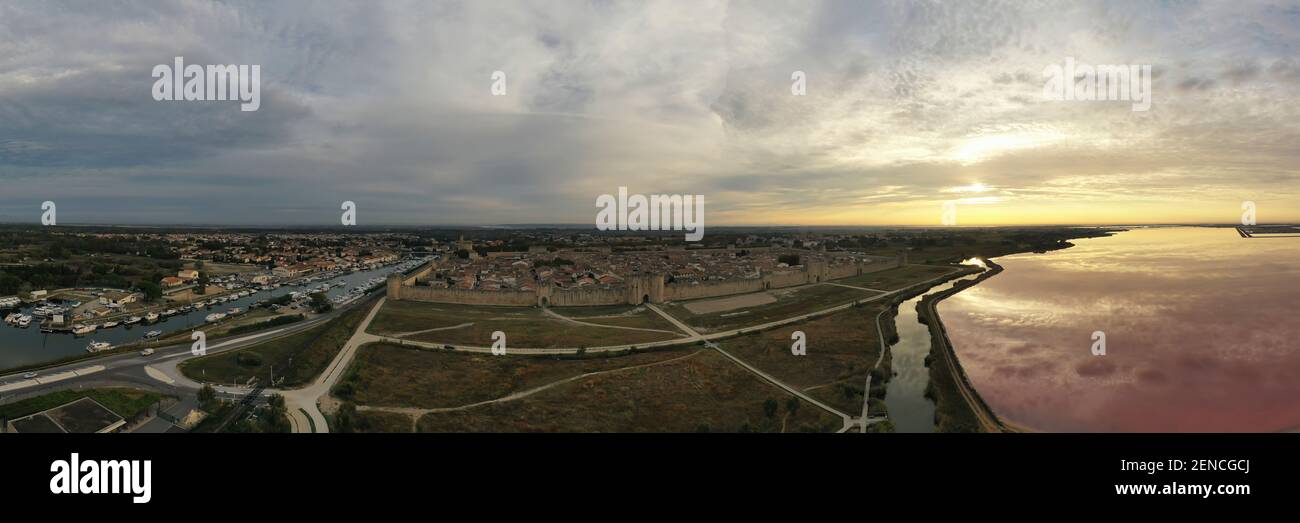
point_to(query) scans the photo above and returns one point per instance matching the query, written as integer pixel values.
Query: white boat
(233, 311)
(215, 317)
(108, 325)
(151, 317)
(96, 346)
(13, 318)
(25, 321)
(82, 329)
(152, 334)
(133, 320)
(169, 312)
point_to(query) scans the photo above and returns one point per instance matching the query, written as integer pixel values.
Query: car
(146, 352)
(29, 375)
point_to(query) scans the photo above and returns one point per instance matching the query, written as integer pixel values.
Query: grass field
(701, 393)
(894, 279)
(841, 349)
(297, 358)
(402, 376)
(216, 330)
(122, 401)
(523, 326)
(386, 422)
(626, 316)
(790, 302)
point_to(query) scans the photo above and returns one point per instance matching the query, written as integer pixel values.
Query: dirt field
(730, 303)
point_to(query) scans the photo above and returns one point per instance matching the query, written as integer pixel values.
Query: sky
(906, 107)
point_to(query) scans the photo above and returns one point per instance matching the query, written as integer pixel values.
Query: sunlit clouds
(908, 106)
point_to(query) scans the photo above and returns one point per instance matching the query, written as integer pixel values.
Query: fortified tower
(642, 288)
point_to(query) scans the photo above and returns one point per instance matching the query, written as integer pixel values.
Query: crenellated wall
(636, 289)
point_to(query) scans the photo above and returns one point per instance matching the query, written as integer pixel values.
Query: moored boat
(96, 346)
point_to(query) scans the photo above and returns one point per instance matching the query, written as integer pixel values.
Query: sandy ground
(730, 303)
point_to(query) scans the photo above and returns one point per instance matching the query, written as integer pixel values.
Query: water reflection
(1201, 329)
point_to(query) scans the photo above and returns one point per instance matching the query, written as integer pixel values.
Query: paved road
(308, 398)
(157, 372)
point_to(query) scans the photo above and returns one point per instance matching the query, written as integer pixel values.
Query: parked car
(146, 352)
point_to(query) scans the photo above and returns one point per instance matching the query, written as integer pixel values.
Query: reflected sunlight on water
(1201, 328)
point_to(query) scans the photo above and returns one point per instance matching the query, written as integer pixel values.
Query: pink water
(1202, 334)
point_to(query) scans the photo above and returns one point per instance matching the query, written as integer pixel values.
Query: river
(1200, 329)
(905, 397)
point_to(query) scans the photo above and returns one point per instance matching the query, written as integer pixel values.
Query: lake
(1202, 333)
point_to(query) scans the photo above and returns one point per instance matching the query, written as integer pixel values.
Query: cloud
(388, 104)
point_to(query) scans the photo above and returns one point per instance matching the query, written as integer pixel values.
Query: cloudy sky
(908, 105)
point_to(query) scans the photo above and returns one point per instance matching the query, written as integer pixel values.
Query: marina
(25, 346)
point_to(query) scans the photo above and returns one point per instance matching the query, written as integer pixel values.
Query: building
(188, 275)
(292, 271)
(172, 281)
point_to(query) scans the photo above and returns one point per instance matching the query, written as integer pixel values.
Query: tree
(792, 405)
(152, 292)
(202, 286)
(320, 303)
(769, 407)
(345, 419)
(207, 395)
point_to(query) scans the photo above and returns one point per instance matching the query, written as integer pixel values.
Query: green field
(124, 402)
(403, 376)
(894, 279)
(704, 392)
(792, 301)
(527, 327)
(297, 358)
(841, 350)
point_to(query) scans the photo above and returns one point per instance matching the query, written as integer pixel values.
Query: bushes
(273, 322)
(249, 358)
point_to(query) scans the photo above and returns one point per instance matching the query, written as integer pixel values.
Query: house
(292, 271)
(172, 281)
(188, 275)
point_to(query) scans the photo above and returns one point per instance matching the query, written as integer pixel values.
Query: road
(308, 399)
(158, 372)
